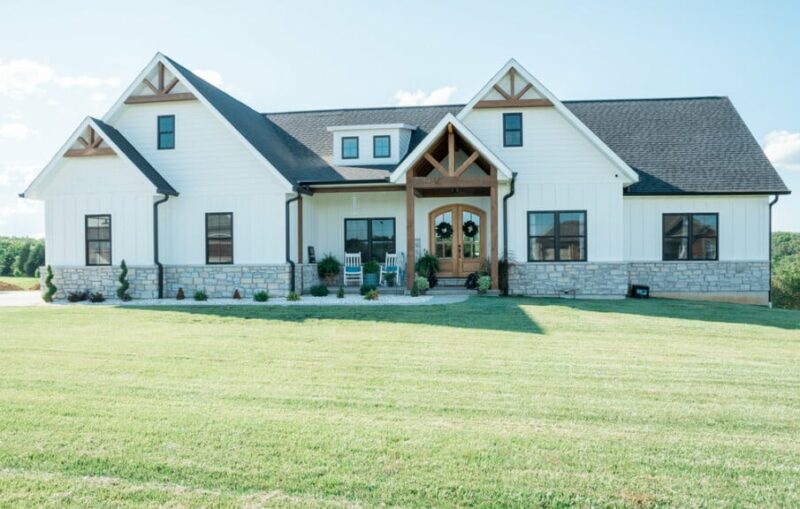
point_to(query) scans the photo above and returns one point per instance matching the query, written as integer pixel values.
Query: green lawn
(491, 403)
(21, 283)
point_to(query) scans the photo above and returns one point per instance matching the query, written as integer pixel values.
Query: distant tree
(7, 264)
(35, 259)
(786, 282)
(22, 259)
(785, 244)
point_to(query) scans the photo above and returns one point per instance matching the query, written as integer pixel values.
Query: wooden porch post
(493, 221)
(410, 261)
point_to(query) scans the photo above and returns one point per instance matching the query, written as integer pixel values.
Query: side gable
(515, 87)
(94, 138)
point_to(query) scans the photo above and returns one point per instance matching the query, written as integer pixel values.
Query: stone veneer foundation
(143, 280)
(220, 281)
(580, 279)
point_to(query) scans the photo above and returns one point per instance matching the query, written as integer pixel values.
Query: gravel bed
(306, 300)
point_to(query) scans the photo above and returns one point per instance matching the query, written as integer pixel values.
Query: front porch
(445, 204)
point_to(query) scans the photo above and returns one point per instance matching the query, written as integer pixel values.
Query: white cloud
(419, 98)
(18, 175)
(22, 77)
(210, 76)
(783, 149)
(15, 131)
(98, 97)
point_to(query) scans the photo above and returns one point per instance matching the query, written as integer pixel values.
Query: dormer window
(381, 147)
(349, 147)
(166, 132)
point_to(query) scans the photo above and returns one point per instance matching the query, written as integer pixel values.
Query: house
(196, 190)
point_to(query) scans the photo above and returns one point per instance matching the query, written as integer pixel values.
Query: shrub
(329, 267)
(427, 266)
(422, 284)
(319, 290)
(365, 289)
(371, 295)
(261, 296)
(237, 295)
(79, 296)
(180, 295)
(200, 296)
(122, 291)
(51, 288)
(293, 297)
(340, 293)
(97, 297)
(372, 267)
(786, 282)
(414, 290)
(484, 283)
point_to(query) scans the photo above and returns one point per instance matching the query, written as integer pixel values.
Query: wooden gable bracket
(91, 147)
(451, 170)
(512, 98)
(162, 92)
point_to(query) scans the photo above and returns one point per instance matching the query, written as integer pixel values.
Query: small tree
(122, 291)
(51, 288)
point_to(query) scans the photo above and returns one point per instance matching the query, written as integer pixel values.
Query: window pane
(381, 146)
(541, 223)
(349, 148)
(219, 238)
(542, 248)
(704, 225)
(704, 249)
(512, 121)
(382, 238)
(676, 248)
(166, 140)
(572, 248)
(166, 124)
(676, 225)
(572, 223)
(513, 138)
(356, 239)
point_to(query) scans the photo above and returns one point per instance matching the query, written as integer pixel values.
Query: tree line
(21, 256)
(786, 269)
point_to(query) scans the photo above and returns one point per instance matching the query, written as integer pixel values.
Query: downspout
(288, 240)
(769, 294)
(505, 222)
(155, 246)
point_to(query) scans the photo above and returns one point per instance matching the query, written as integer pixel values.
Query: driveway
(8, 299)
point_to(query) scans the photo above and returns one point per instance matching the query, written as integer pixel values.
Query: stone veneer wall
(143, 280)
(219, 281)
(580, 279)
(306, 276)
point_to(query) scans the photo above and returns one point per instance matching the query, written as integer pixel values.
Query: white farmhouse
(196, 190)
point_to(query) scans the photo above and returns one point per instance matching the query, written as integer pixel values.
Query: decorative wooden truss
(512, 98)
(162, 92)
(91, 147)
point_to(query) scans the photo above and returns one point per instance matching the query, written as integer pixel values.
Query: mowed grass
(8, 283)
(491, 403)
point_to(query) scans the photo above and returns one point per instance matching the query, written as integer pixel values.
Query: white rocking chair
(353, 272)
(390, 266)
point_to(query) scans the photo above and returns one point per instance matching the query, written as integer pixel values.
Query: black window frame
(507, 130)
(690, 237)
(388, 144)
(87, 241)
(159, 132)
(369, 221)
(358, 149)
(557, 235)
(208, 214)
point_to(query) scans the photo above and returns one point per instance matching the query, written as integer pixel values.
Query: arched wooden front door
(459, 253)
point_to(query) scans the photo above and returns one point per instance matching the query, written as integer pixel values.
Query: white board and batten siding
(98, 185)
(743, 224)
(557, 168)
(214, 172)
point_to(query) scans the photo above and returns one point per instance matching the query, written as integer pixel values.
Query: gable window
(512, 129)
(557, 236)
(350, 147)
(690, 237)
(381, 147)
(373, 238)
(219, 238)
(98, 239)
(166, 132)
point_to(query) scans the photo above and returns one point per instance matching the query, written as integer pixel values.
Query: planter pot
(371, 279)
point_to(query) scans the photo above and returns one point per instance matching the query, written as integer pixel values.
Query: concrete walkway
(27, 299)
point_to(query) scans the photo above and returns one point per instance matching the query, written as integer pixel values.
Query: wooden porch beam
(160, 77)
(493, 220)
(436, 164)
(466, 164)
(451, 182)
(513, 103)
(140, 99)
(89, 152)
(410, 261)
(511, 77)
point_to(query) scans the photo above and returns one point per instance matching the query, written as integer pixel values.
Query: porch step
(450, 290)
(452, 282)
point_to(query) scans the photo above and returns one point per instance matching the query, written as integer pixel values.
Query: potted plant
(427, 266)
(328, 268)
(371, 271)
(391, 278)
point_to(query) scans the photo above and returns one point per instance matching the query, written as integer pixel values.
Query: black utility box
(639, 292)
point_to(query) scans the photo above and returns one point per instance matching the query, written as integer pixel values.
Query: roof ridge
(331, 110)
(646, 99)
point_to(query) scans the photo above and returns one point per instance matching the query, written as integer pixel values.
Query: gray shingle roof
(128, 150)
(677, 146)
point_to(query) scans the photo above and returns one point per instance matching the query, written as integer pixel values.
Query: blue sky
(62, 61)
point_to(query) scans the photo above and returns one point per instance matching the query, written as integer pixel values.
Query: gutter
(307, 183)
(505, 217)
(299, 190)
(155, 246)
(769, 294)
